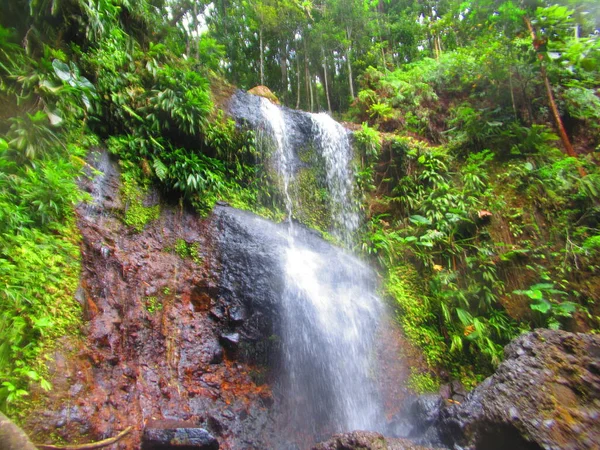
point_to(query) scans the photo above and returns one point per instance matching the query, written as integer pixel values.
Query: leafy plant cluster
(469, 186)
(186, 250)
(485, 236)
(45, 105)
(69, 72)
(164, 127)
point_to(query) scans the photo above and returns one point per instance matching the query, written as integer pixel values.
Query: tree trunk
(262, 57)
(298, 75)
(197, 40)
(12, 437)
(309, 90)
(555, 114)
(512, 93)
(348, 61)
(325, 77)
(312, 97)
(284, 69)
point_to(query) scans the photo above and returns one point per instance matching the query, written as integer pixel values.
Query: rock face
(545, 395)
(163, 339)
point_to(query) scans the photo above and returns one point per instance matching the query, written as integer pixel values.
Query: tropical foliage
(464, 108)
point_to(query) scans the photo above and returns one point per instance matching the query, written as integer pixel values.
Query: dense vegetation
(74, 76)
(462, 165)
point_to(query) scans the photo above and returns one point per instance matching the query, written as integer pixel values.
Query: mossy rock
(263, 91)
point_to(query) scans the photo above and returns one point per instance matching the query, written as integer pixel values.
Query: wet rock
(165, 435)
(543, 396)
(417, 420)
(251, 283)
(216, 353)
(246, 109)
(423, 412)
(366, 440)
(217, 312)
(237, 314)
(230, 340)
(454, 391)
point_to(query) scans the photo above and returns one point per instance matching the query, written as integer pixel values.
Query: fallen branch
(90, 446)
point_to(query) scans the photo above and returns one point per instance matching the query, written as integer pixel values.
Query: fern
(160, 169)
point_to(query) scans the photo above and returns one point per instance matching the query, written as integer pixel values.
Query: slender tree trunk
(307, 83)
(284, 69)
(197, 40)
(298, 75)
(555, 114)
(350, 76)
(326, 83)
(262, 57)
(312, 97)
(512, 93)
(309, 89)
(349, 62)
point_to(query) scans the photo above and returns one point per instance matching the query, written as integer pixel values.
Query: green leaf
(45, 384)
(543, 306)
(54, 118)
(565, 309)
(61, 70)
(160, 169)
(534, 294)
(543, 286)
(420, 220)
(464, 317)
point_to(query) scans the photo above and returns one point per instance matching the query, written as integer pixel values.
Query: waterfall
(283, 155)
(330, 313)
(333, 141)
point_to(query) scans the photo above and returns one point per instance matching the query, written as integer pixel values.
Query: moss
(188, 250)
(153, 304)
(137, 216)
(312, 208)
(423, 383)
(415, 313)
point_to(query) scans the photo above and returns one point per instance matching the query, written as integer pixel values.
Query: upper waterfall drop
(283, 152)
(334, 143)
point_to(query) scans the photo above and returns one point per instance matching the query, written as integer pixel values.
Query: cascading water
(283, 154)
(333, 141)
(330, 313)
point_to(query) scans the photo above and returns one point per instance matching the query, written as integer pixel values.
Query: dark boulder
(166, 435)
(230, 340)
(545, 395)
(251, 282)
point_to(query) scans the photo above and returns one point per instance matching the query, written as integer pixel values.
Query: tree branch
(91, 446)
